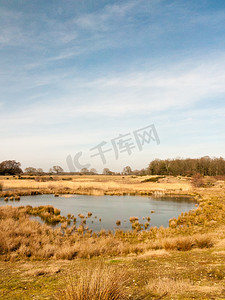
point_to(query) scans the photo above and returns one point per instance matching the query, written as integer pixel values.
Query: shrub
(197, 180)
(153, 179)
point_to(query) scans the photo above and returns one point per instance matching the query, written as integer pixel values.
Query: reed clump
(81, 216)
(118, 222)
(100, 282)
(47, 213)
(133, 219)
(146, 225)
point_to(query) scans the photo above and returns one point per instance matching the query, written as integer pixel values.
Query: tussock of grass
(133, 219)
(166, 287)
(188, 242)
(102, 282)
(181, 243)
(204, 241)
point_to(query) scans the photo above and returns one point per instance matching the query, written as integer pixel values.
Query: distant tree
(51, 170)
(10, 167)
(205, 166)
(40, 171)
(31, 170)
(84, 171)
(106, 171)
(127, 170)
(57, 169)
(93, 171)
(143, 172)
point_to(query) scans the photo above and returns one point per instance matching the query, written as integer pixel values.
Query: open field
(97, 184)
(183, 261)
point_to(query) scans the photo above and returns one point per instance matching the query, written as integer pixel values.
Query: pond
(112, 208)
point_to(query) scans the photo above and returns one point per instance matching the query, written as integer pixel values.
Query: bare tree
(93, 171)
(57, 169)
(10, 167)
(40, 171)
(31, 170)
(84, 171)
(127, 170)
(106, 171)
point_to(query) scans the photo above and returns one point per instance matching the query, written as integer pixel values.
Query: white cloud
(175, 86)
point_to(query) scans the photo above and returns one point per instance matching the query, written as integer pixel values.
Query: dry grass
(100, 185)
(181, 243)
(100, 283)
(167, 287)
(43, 271)
(21, 237)
(133, 219)
(177, 261)
(188, 242)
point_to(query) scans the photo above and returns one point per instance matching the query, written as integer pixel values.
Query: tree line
(205, 166)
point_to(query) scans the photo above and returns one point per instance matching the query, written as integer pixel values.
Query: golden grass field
(100, 184)
(183, 261)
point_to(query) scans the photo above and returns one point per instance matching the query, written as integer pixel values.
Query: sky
(77, 75)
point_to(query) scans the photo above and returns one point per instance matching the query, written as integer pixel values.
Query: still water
(113, 208)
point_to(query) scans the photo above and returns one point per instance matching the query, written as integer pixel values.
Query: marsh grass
(166, 287)
(91, 185)
(101, 282)
(188, 242)
(118, 222)
(21, 237)
(133, 219)
(49, 214)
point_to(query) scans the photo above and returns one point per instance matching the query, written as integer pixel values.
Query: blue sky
(76, 73)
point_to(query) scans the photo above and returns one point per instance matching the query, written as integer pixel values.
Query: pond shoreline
(155, 193)
(108, 212)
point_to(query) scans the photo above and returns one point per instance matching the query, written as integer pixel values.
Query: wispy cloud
(175, 86)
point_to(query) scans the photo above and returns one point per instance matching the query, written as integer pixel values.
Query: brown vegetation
(160, 263)
(102, 282)
(22, 237)
(93, 185)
